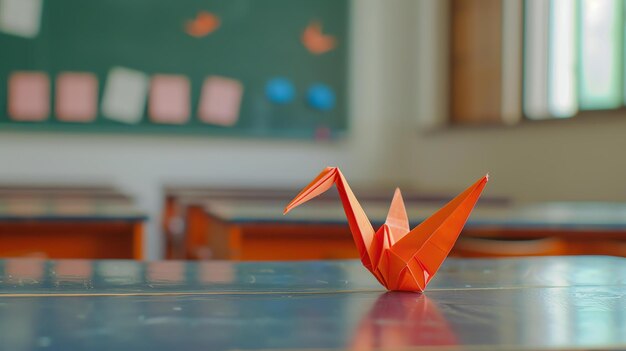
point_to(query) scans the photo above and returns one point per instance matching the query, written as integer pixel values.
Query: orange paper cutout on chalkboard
(204, 24)
(315, 41)
(400, 258)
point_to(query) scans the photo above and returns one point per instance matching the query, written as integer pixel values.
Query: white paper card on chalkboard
(125, 95)
(20, 17)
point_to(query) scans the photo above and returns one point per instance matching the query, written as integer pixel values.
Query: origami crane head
(400, 258)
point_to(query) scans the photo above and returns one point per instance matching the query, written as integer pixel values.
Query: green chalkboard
(256, 41)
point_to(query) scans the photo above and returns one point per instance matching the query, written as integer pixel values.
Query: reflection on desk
(558, 303)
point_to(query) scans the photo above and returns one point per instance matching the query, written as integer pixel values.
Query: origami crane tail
(397, 218)
(360, 226)
(430, 243)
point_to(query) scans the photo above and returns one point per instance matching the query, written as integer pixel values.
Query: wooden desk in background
(69, 222)
(185, 222)
(184, 239)
(257, 230)
(546, 303)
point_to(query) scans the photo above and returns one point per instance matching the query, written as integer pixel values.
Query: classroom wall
(577, 159)
(141, 164)
(397, 89)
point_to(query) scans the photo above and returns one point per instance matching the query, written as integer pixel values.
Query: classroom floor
(538, 303)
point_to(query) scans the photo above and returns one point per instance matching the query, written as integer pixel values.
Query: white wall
(564, 160)
(141, 164)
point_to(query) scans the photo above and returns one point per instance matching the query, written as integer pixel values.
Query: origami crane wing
(410, 263)
(400, 258)
(430, 242)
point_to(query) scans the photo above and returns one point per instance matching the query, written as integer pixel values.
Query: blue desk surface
(533, 303)
(567, 216)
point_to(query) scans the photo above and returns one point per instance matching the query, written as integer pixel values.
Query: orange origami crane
(400, 258)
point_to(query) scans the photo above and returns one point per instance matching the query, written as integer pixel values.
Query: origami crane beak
(320, 184)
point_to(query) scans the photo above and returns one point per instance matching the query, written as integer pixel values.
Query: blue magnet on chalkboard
(321, 97)
(280, 91)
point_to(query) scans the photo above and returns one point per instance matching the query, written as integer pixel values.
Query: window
(535, 59)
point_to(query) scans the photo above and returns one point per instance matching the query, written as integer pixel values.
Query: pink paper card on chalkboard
(76, 97)
(220, 101)
(29, 96)
(169, 99)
